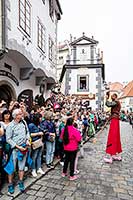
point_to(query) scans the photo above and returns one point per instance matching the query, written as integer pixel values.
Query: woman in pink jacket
(70, 137)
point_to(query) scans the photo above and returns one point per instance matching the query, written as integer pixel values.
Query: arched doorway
(27, 97)
(6, 93)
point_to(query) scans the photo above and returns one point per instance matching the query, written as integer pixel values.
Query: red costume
(114, 143)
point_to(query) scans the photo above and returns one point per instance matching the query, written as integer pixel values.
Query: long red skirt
(114, 143)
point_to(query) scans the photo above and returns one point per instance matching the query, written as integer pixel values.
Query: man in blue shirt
(17, 135)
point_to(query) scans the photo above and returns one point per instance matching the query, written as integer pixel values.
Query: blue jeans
(36, 157)
(50, 149)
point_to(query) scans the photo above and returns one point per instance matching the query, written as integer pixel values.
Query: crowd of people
(127, 117)
(29, 137)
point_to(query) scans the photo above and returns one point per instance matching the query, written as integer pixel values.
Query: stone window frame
(87, 83)
(41, 36)
(25, 16)
(51, 49)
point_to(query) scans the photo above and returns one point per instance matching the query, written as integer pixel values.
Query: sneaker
(10, 189)
(48, 166)
(72, 178)
(64, 174)
(21, 186)
(26, 169)
(108, 160)
(34, 174)
(117, 158)
(62, 164)
(76, 172)
(52, 166)
(40, 171)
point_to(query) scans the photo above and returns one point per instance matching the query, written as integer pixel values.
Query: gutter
(2, 29)
(62, 73)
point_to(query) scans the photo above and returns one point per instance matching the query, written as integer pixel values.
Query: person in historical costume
(113, 147)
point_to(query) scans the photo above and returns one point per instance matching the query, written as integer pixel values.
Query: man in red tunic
(114, 143)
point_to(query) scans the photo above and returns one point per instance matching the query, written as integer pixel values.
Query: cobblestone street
(97, 180)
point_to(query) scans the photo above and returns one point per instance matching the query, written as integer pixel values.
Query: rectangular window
(51, 50)
(25, 16)
(41, 36)
(51, 9)
(61, 60)
(83, 83)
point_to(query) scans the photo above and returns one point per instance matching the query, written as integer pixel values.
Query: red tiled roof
(128, 90)
(62, 46)
(116, 86)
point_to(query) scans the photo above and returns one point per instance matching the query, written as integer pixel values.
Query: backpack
(85, 122)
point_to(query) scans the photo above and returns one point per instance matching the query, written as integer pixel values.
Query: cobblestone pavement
(97, 180)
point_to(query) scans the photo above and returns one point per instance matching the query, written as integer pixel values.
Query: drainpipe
(2, 29)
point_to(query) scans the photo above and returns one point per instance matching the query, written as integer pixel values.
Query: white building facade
(127, 104)
(126, 97)
(63, 52)
(83, 73)
(28, 47)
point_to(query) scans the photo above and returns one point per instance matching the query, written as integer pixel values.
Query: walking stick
(95, 139)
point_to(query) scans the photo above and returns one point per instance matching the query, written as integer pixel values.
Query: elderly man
(17, 135)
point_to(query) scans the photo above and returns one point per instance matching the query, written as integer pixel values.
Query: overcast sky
(111, 23)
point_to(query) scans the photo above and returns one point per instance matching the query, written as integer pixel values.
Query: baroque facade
(28, 47)
(82, 72)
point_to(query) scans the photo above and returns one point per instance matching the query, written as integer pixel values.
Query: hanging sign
(9, 75)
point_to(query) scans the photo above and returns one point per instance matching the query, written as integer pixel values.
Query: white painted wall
(83, 71)
(27, 46)
(92, 83)
(62, 53)
(125, 103)
(41, 11)
(23, 85)
(83, 57)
